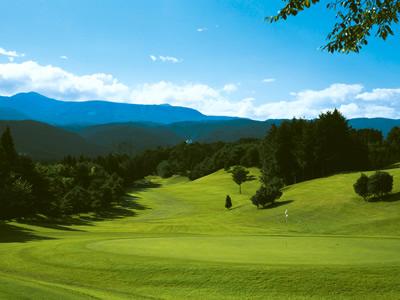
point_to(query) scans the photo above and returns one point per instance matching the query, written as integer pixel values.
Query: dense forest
(294, 151)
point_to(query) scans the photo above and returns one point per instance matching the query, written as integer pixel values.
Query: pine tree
(7, 144)
(228, 202)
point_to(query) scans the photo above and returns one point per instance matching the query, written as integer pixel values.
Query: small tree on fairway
(267, 194)
(377, 185)
(239, 175)
(380, 184)
(228, 202)
(361, 186)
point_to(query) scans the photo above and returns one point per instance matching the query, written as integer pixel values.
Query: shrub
(228, 202)
(361, 186)
(377, 185)
(267, 194)
(380, 184)
(164, 169)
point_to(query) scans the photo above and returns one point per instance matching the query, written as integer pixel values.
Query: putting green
(261, 249)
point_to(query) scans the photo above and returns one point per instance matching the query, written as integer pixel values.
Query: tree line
(299, 150)
(294, 151)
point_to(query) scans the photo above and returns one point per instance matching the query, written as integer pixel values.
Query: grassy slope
(178, 242)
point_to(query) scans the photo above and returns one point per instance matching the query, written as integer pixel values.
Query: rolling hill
(130, 138)
(173, 239)
(44, 142)
(136, 137)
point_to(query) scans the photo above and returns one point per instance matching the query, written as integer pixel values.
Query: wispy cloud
(269, 80)
(10, 54)
(162, 58)
(201, 29)
(230, 88)
(64, 57)
(171, 59)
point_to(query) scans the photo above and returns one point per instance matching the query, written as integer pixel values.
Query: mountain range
(34, 106)
(49, 129)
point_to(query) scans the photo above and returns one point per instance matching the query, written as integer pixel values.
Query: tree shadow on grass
(144, 184)
(126, 208)
(388, 198)
(15, 234)
(278, 204)
(60, 223)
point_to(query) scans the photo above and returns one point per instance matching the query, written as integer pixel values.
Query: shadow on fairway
(56, 223)
(278, 204)
(389, 198)
(126, 208)
(14, 234)
(142, 185)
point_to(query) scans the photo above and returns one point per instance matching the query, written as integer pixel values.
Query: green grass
(177, 241)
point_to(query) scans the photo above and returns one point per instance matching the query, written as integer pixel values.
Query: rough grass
(175, 240)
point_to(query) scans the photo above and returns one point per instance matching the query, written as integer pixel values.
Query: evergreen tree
(7, 144)
(267, 194)
(228, 202)
(393, 144)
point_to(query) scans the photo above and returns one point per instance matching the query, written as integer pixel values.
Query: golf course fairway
(173, 239)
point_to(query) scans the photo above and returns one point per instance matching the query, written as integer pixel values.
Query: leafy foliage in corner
(356, 21)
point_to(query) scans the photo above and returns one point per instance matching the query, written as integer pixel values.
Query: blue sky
(219, 57)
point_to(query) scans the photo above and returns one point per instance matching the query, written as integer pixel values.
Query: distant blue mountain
(33, 106)
(134, 120)
(382, 124)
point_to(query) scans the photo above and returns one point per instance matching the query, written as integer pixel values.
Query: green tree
(16, 199)
(355, 21)
(164, 169)
(361, 186)
(239, 176)
(393, 144)
(267, 194)
(380, 184)
(228, 202)
(7, 143)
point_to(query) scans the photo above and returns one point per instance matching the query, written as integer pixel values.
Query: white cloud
(230, 88)
(202, 29)
(10, 54)
(58, 83)
(380, 94)
(310, 103)
(64, 57)
(336, 93)
(269, 80)
(163, 58)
